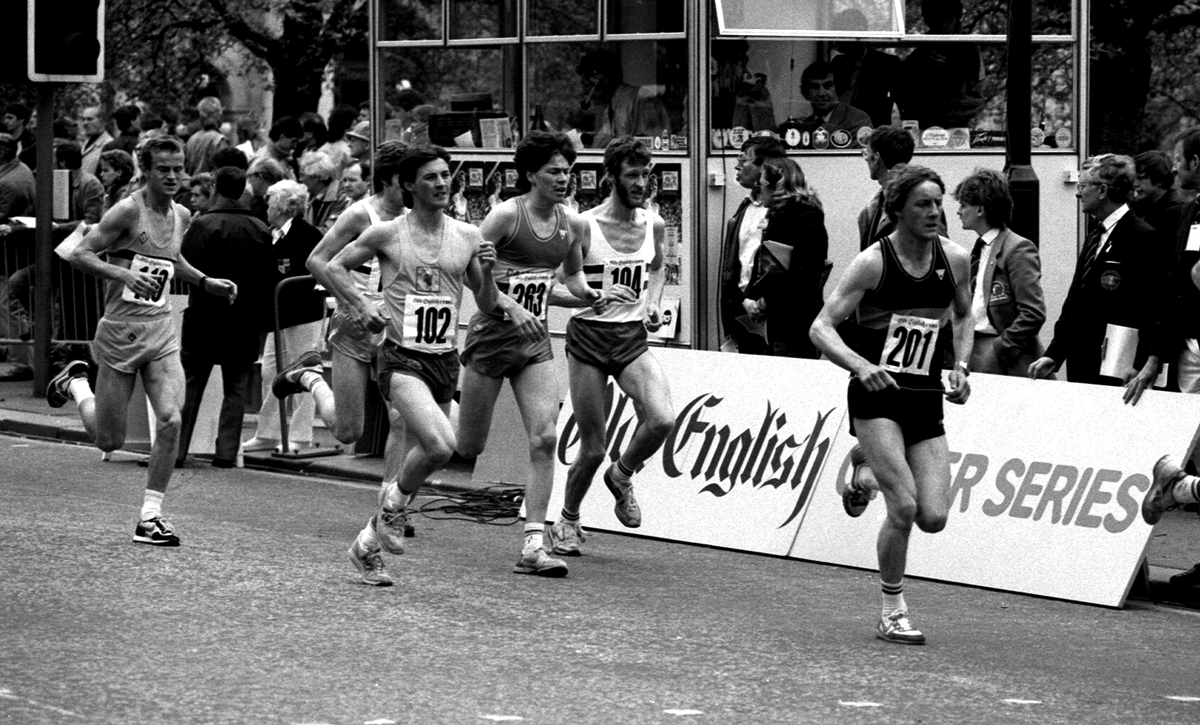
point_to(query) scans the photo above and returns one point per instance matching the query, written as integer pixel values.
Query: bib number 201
(910, 345)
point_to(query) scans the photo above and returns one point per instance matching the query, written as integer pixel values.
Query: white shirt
(1109, 222)
(750, 239)
(282, 231)
(979, 301)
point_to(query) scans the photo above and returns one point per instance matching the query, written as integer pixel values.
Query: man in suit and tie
(1006, 279)
(819, 88)
(1117, 280)
(743, 235)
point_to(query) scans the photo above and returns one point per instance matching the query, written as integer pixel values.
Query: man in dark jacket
(1115, 292)
(228, 241)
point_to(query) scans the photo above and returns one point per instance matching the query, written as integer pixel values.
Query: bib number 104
(629, 275)
(910, 346)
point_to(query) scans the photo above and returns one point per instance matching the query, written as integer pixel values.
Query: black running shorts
(438, 371)
(917, 412)
(607, 346)
(494, 348)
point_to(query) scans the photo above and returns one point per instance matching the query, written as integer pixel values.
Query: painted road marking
(1014, 701)
(676, 711)
(1183, 698)
(380, 721)
(844, 703)
(501, 718)
(7, 694)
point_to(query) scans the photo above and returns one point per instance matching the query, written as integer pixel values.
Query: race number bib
(531, 291)
(910, 345)
(162, 270)
(430, 323)
(632, 273)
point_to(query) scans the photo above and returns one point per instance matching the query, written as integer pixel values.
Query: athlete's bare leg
(164, 383)
(646, 385)
(106, 415)
(586, 385)
(427, 425)
(342, 406)
(536, 390)
(475, 408)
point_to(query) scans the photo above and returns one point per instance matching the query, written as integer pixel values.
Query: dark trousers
(236, 379)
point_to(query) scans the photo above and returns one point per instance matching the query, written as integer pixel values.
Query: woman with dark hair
(116, 173)
(789, 269)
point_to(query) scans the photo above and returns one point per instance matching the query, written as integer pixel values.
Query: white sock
(395, 499)
(533, 537)
(1185, 490)
(367, 539)
(893, 597)
(310, 378)
(619, 474)
(152, 504)
(79, 390)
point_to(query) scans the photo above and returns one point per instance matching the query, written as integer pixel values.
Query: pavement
(1174, 547)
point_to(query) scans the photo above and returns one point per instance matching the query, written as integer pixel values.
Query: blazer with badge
(1177, 318)
(1122, 287)
(299, 302)
(1016, 307)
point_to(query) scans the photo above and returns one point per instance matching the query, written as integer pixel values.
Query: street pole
(1022, 179)
(43, 243)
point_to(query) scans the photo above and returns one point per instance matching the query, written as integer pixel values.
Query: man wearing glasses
(1115, 290)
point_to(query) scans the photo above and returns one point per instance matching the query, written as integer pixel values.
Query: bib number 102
(432, 324)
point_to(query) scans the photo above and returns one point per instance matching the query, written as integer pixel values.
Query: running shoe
(565, 538)
(287, 382)
(57, 393)
(896, 628)
(1161, 497)
(854, 497)
(369, 564)
(539, 563)
(1189, 578)
(626, 508)
(155, 532)
(390, 527)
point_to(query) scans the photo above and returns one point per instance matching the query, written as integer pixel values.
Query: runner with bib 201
(910, 296)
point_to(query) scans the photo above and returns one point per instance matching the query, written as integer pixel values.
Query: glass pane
(815, 15)
(600, 90)
(645, 16)
(410, 19)
(781, 85)
(483, 19)
(457, 87)
(564, 17)
(982, 17)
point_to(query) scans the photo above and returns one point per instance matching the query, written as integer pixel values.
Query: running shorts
(439, 371)
(917, 412)
(495, 349)
(126, 344)
(351, 339)
(607, 346)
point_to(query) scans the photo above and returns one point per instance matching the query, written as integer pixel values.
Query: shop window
(483, 19)
(410, 20)
(464, 90)
(959, 87)
(770, 17)
(983, 17)
(644, 16)
(595, 91)
(563, 18)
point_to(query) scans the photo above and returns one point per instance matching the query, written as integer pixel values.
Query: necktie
(1091, 250)
(976, 254)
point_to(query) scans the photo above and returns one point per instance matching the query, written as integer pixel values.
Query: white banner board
(1047, 477)
(749, 446)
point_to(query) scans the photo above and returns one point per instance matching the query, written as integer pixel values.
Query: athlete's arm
(497, 228)
(577, 292)
(479, 275)
(355, 254)
(345, 229)
(220, 287)
(657, 278)
(963, 320)
(862, 274)
(116, 225)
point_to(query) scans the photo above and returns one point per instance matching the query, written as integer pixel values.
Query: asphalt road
(258, 618)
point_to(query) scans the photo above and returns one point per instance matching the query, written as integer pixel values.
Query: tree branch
(256, 41)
